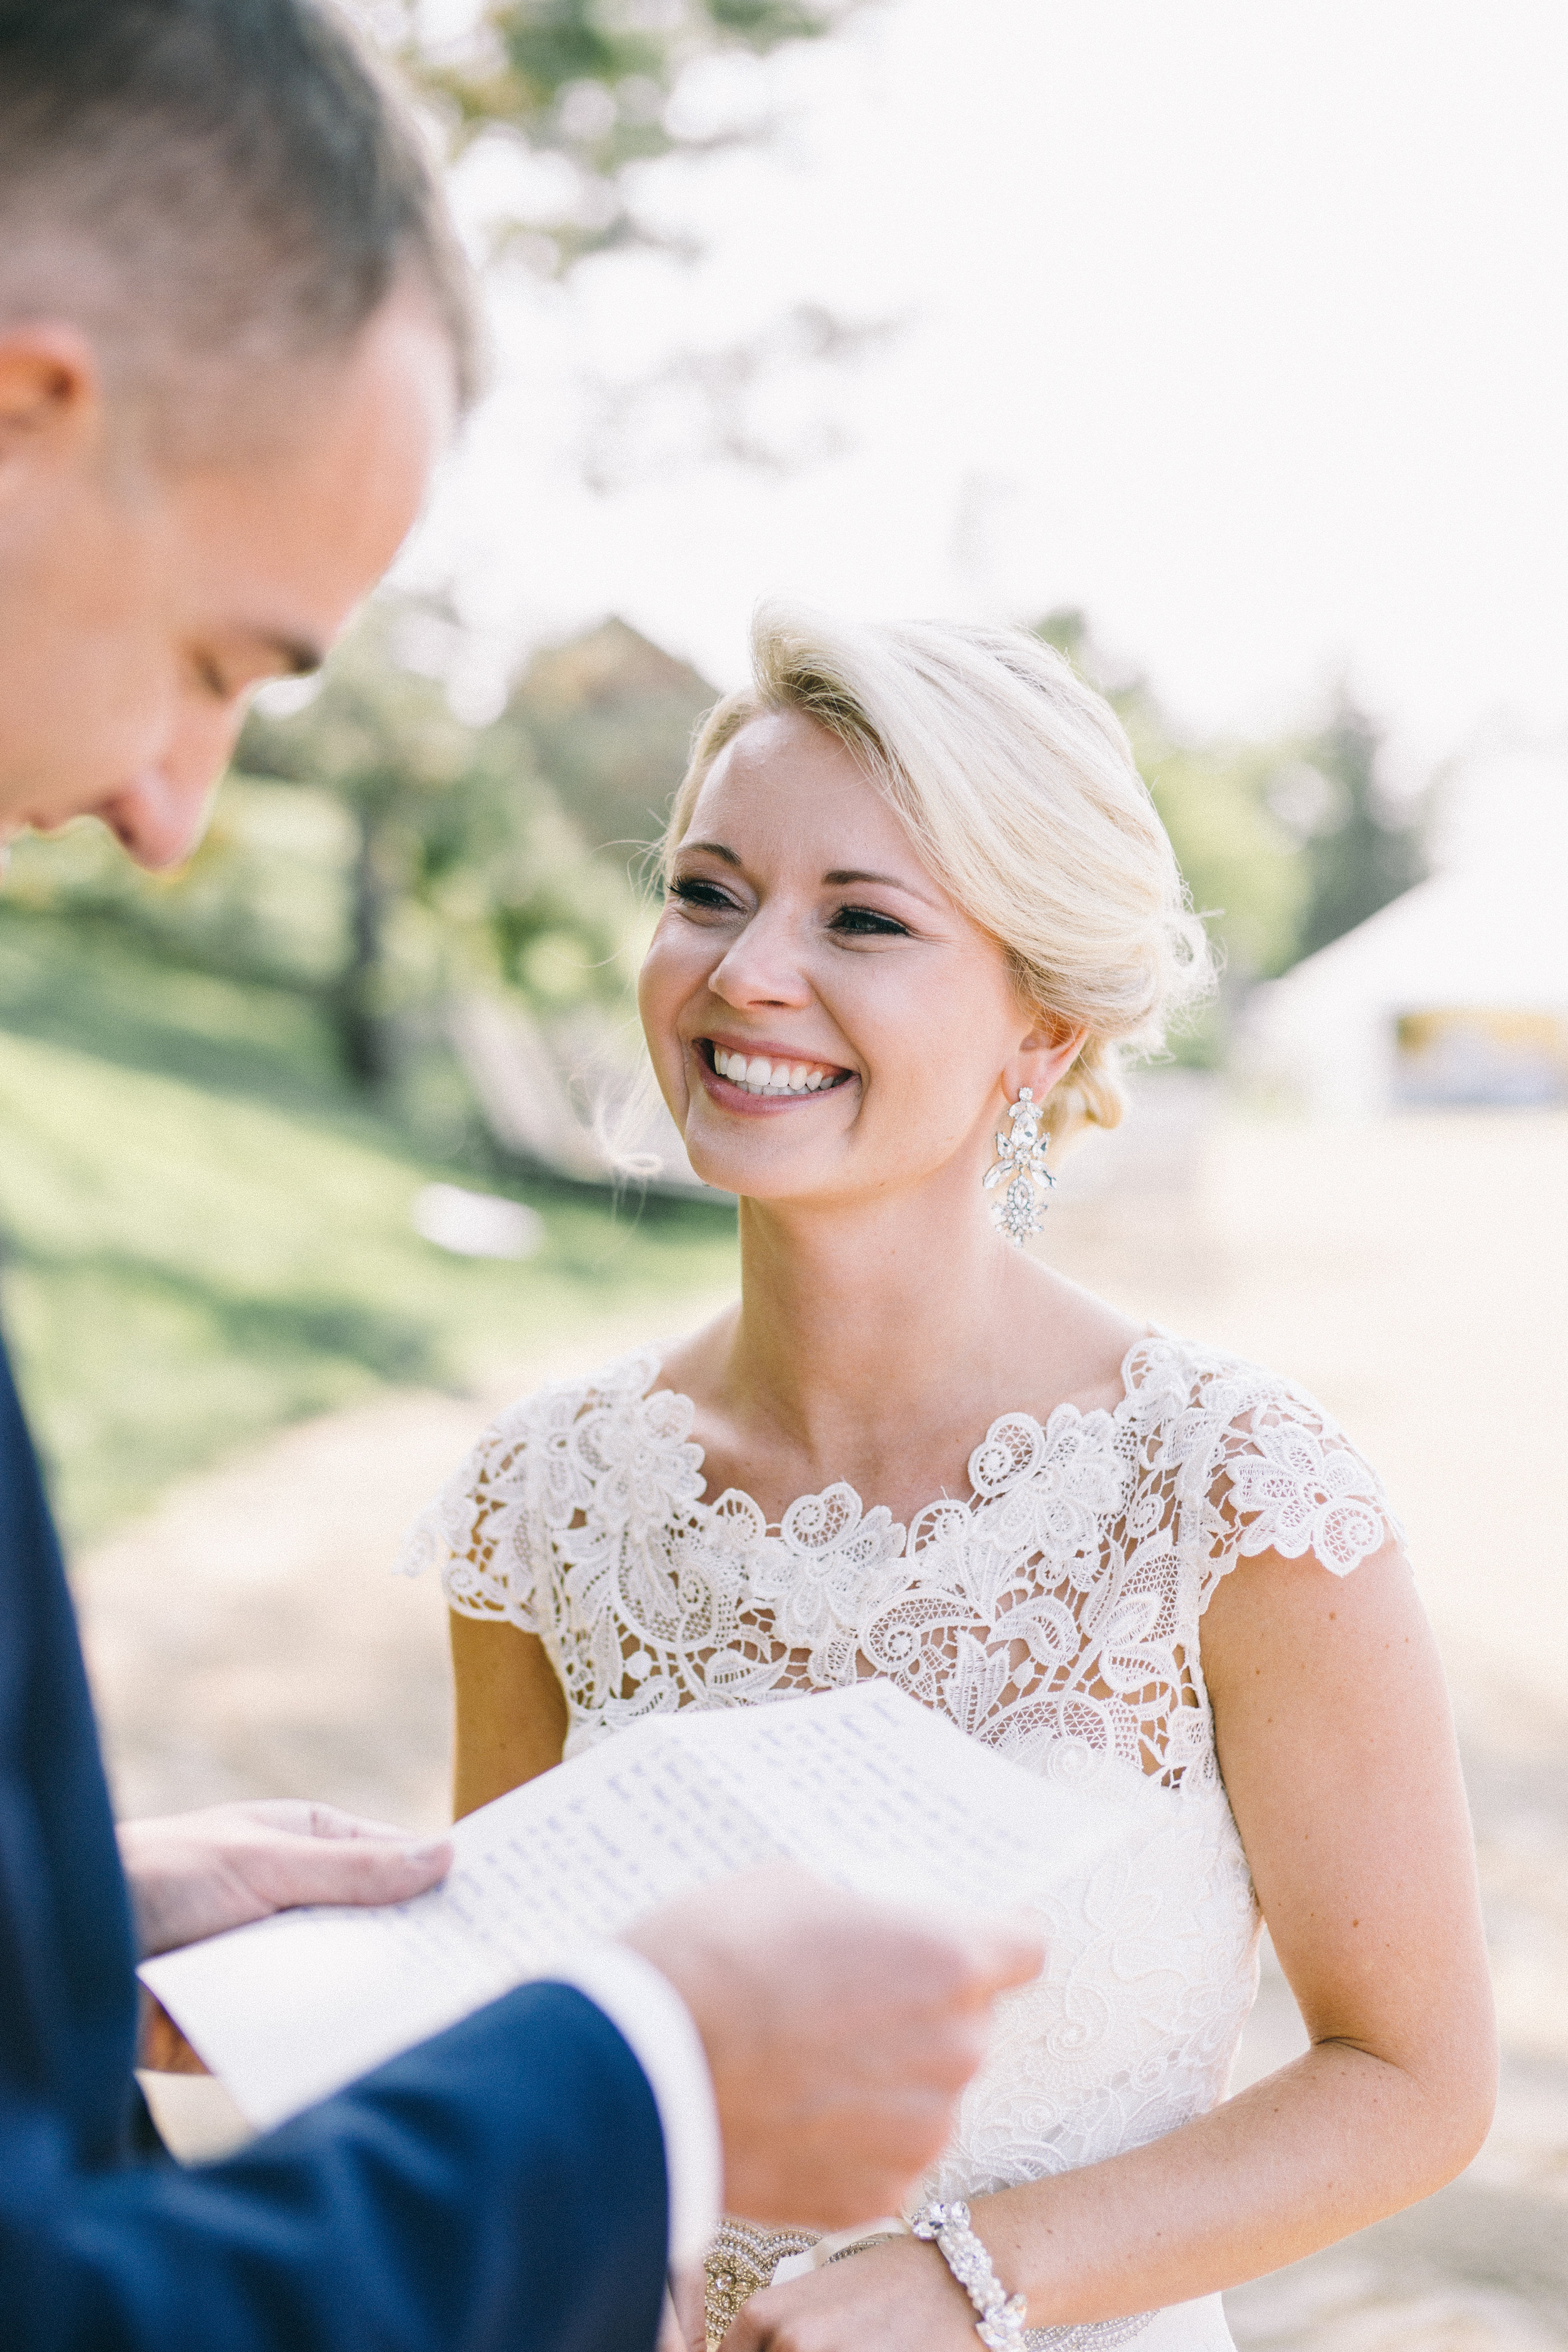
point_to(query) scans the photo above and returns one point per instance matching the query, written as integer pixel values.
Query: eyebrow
(835, 878)
(842, 874)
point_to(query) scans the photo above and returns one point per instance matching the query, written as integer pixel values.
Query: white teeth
(760, 1076)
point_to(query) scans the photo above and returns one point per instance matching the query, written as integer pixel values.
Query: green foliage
(378, 856)
(1243, 866)
(207, 1233)
(524, 60)
(263, 897)
(1286, 841)
(594, 83)
(1362, 853)
(463, 858)
(380, 734)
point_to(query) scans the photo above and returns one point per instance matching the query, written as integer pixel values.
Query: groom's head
(233, 336)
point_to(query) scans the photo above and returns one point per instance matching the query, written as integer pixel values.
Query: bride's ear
(1042, 1057)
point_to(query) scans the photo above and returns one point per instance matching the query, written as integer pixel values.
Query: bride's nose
(764, 965)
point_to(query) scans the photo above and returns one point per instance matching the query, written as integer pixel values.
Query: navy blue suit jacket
(502, 2186)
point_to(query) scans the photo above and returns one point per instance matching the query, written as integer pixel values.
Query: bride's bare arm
(511, 1715)
(1338, 1753)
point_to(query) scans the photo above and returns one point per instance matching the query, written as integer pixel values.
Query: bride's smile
(766, 1070)
(823, 1018)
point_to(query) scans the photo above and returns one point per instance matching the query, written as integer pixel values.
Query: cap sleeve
(1253, 1464)
(1283, 1476)
(480, 1529)
(493, 1529)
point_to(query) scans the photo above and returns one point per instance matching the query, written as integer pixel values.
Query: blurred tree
(464, 871)
(1285, 841)
(599, 87)
(1242, 865)
(1240, 858)
(385, 744)
(1359, 851)
(585, 95)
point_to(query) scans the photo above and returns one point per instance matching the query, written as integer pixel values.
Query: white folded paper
(864, 1786)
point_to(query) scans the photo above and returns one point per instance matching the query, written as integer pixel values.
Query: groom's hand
(838, 2034)
(193, 1874)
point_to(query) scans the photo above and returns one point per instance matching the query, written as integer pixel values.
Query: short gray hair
(232, 182)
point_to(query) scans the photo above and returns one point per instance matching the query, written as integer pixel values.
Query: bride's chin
(734, 1165)
(740, 1174)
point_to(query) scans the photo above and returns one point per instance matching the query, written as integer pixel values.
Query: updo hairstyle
(1017, 784)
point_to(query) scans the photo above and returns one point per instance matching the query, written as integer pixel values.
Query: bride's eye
(865, 922)
(692, 890)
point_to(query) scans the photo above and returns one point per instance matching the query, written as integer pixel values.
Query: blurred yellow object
(1483, 1054)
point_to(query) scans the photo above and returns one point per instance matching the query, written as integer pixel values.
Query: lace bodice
(1056, 1614)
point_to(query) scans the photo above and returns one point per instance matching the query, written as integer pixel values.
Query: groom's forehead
(276, 548)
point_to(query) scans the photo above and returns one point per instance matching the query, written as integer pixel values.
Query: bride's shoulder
(613, 1390)
(547, 1452)
(1263, 1464)
(1165, 1371)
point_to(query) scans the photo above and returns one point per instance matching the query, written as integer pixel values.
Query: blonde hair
(1017, 786)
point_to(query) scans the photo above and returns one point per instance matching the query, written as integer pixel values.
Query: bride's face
(824, 1021)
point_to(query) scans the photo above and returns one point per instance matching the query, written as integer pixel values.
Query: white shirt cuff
(650, 2016)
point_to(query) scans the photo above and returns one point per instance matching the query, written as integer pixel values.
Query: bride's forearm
(1323, 2147)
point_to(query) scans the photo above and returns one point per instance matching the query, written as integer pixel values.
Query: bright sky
(1243, 326)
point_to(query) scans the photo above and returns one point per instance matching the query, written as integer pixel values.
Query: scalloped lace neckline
(972, 1503)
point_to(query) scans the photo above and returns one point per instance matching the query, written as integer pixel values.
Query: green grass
(207, 1233)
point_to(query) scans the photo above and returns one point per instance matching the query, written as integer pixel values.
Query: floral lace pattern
(1056, 1616)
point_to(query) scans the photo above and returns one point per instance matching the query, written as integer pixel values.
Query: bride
(919, 906)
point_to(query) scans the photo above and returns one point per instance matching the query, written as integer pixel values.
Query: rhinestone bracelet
(1000, 2324)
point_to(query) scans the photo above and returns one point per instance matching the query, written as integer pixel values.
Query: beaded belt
(740, 2263)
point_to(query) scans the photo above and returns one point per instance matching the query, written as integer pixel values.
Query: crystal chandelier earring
(1020, 1157)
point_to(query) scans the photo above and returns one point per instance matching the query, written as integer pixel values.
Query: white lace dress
(1055, 1614)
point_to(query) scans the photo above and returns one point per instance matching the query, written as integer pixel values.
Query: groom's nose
(161, 813)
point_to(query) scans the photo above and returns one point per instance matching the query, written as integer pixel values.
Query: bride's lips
(753, 1075)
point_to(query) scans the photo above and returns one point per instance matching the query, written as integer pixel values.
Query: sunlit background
(1226, 345)
(1240, 327)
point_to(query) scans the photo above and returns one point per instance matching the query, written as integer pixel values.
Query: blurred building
(610, 716)
(1456, 992)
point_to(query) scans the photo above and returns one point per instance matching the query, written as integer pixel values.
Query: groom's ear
(51, 401)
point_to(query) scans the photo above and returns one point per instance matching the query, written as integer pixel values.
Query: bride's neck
(847, 1310)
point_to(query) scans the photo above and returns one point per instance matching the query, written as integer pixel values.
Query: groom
(235, 337)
